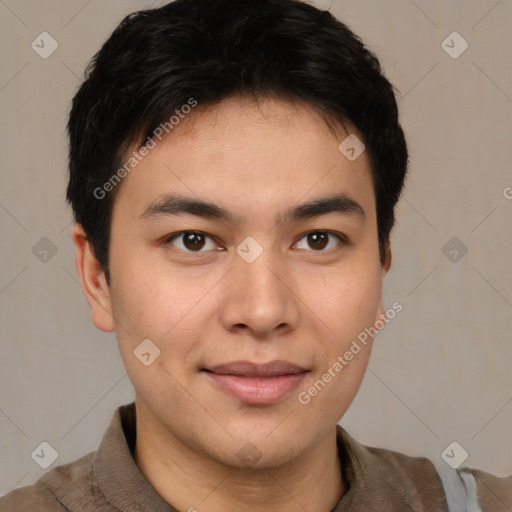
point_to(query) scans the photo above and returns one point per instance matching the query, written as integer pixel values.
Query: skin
(294, 302)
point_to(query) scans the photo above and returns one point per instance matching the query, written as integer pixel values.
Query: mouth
(257, 384)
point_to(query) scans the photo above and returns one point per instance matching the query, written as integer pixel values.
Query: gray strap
(460, 488)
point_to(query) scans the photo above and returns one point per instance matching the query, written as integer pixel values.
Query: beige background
(440, 371)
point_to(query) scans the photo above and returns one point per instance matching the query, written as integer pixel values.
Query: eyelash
(340, 236)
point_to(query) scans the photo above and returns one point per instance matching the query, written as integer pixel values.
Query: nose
(260, 298)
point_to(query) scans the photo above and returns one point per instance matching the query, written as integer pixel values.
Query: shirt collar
(118, 476)
(371, 475)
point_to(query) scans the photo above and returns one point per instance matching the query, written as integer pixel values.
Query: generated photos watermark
(305, 397)
(137, 156)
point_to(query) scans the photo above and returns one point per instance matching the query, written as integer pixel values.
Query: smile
(255, 384)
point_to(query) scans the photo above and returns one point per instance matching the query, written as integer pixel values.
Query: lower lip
(258, 391)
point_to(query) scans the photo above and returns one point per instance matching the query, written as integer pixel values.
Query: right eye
(189, 241)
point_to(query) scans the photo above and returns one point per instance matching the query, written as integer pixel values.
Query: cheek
(348, 302)
(343, 354)
(150, 299)
(348, 308)
(172, 308)
(155, 317)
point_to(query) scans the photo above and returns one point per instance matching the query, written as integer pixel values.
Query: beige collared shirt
(108, 480)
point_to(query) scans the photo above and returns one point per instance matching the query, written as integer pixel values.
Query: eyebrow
(175, 204)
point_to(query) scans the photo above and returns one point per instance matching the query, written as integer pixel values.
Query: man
(234, 168)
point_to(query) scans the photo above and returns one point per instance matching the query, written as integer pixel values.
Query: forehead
(248, 156)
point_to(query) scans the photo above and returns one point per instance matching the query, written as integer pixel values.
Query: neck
(190, 481)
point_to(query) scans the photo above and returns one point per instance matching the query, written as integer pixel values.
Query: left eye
(194, 241)
(318, 240)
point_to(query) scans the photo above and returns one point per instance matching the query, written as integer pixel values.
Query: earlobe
(93, 281)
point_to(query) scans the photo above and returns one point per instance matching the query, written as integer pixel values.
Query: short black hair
(157, 60)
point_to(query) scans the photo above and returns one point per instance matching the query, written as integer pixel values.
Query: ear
(93, 281)
(385, 266)
(387, 261)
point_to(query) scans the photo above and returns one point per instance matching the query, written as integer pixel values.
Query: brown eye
(318, 240)
(191, 241)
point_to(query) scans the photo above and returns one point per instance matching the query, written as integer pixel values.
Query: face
(253, 302)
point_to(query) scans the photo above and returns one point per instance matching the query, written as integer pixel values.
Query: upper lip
(249, 369)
